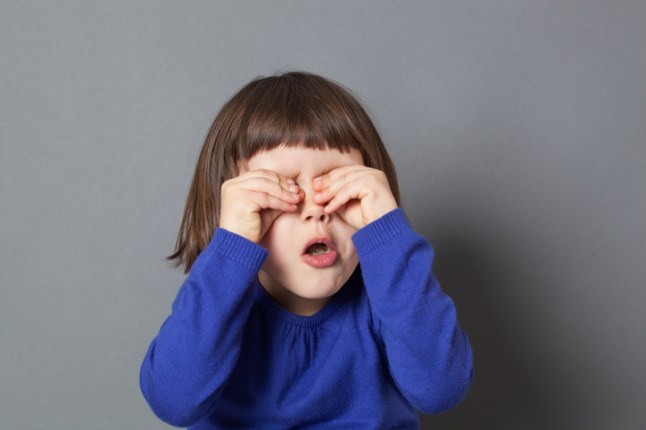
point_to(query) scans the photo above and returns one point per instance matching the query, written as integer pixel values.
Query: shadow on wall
(523, 377)
(510, 389)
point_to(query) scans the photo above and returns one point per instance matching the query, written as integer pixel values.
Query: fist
(252, 201)
(358, 194)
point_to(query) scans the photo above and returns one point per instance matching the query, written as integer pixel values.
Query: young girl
(310, 301)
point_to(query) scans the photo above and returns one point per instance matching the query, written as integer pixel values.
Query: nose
(311, 211)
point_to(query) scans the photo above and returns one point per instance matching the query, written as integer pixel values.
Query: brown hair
(293, 109)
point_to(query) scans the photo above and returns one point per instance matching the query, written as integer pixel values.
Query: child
(310, 301)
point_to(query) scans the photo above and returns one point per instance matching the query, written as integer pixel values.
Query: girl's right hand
(253, 200)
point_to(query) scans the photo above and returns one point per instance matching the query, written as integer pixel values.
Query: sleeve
(428, 354)
(197, 347)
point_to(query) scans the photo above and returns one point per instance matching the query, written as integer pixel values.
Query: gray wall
(518, 128)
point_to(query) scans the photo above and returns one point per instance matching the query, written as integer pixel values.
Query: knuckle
(268, 173)
(225, 190)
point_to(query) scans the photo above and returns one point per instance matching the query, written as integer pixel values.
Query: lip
(322, 260)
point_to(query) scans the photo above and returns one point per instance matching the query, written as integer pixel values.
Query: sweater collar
(344, 295)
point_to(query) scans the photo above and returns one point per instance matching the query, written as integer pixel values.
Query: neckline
(268, 304)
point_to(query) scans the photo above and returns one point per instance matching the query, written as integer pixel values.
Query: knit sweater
(385, 346)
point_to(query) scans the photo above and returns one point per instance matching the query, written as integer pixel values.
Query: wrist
(380, 232)
(240, 229)
(379, 210)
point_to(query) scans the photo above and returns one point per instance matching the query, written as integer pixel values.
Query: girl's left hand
(358, 194)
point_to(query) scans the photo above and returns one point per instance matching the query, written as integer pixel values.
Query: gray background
(518, 129)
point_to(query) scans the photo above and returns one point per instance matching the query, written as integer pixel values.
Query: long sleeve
(198, 345)
(428, 354)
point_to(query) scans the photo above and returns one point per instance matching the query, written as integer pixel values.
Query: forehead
(295, 161)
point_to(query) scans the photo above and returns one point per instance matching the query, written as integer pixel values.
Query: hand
(252, 201)
(358, 194)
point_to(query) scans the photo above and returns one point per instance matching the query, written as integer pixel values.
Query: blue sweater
(386, 345)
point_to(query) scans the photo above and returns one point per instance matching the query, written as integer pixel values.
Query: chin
(316, 292)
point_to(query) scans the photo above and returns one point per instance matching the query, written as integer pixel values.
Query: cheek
(350, 253)
(350, 263)
(345, 232)
(274, 238)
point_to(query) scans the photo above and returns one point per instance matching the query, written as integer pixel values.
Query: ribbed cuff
(380, 231)
(238, 248)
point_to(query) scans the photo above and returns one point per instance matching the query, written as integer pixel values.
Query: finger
(284, 181)
(350, 191)
(260, 173)
(279, 187)
(339, 183)
(266, 201)
(325, 180)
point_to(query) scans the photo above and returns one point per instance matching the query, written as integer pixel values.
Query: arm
(197, 347)
(428, 354)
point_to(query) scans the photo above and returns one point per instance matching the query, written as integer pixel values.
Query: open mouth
(317, 249)
(318, 246)
(320, 253)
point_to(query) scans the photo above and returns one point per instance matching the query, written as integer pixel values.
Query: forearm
(197, 347)
(428, 354)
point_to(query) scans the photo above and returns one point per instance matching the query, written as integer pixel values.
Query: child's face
(300, 275)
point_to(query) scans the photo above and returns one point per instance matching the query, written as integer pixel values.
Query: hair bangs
(283, 114)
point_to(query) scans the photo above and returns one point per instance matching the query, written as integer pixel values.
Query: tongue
(317, 249)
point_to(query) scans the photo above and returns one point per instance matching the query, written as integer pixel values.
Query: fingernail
(291, 181)
(293, 188)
